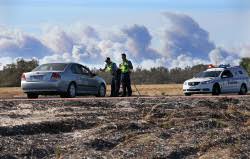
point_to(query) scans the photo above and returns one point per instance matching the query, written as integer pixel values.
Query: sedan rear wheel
(71, 93)
(64, 95)
(32, 96)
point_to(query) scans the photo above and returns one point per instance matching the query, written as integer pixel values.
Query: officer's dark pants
(126, 84)
(117, 84)
(113, 87)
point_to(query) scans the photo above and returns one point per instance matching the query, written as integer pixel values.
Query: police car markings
(193, 86)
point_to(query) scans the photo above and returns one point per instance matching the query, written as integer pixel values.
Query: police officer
(112, 68)
(126, 67)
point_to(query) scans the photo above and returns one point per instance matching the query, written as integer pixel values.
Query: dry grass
(156, 89)
(159, 90)
(8, 92)
(145, 90)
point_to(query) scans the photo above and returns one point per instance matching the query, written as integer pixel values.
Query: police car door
(237, 80)
(228, 81)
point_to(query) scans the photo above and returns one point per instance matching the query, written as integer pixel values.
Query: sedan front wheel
(102, 91)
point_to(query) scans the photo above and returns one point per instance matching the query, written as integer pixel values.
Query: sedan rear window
(51, 67)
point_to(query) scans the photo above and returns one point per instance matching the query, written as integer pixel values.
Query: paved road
(134, 97)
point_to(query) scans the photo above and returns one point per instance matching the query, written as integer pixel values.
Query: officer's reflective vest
(124, 67)
(109, 67)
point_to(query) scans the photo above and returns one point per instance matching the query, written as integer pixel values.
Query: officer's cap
(107, 59)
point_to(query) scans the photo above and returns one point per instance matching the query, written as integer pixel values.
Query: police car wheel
(187, 94)
(216, 89)
(243, 90)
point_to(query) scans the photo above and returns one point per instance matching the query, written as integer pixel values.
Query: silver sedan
(64, 79)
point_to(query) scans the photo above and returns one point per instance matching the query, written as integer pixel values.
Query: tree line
(10, 76)
(160, 75)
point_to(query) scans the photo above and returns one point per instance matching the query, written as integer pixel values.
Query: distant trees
(160, 75)
(11, 73)
(245, 63)
(10, 76)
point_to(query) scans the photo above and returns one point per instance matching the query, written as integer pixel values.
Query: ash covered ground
(173, 127)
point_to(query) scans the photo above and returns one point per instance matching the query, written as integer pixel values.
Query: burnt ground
(173, 127)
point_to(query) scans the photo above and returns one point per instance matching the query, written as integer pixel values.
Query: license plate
(36, 78)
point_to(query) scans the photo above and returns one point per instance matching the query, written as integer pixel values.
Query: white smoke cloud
(244, 50)
(58, 40)
(15, 43)
(90, 32)
(221, 56)
(112, 49)
(79, 51)
(85, 53)
(80, 32)
(185, 43)
(186, 37)
(183, 61)
(85, 45)
(65, 57)
(139, 42)
(150, 63)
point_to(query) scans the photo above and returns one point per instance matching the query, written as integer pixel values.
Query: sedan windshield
(208, 74)
(51, 67)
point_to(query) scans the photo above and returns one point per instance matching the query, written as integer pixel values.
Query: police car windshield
(208, 74)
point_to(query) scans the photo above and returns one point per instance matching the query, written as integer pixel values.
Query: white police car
(216, 80)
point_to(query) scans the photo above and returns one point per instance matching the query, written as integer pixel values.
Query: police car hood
(201, 79)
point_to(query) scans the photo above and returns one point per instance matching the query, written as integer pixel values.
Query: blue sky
(30, 15)
(226, 21)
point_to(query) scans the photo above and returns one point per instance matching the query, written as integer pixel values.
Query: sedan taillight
(23, 78)
(55, 76)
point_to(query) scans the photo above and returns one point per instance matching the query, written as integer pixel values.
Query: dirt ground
(145, 90)
(173, 127)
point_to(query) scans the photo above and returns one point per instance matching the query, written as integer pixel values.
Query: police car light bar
(220, 66)
(224, 66)
(211, 66)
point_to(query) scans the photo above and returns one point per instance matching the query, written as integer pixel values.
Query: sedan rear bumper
(45, 87)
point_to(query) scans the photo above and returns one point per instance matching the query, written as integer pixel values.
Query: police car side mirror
(224, 76)
(93, 74)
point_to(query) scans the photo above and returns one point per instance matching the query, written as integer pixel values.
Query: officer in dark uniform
(115, 81)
